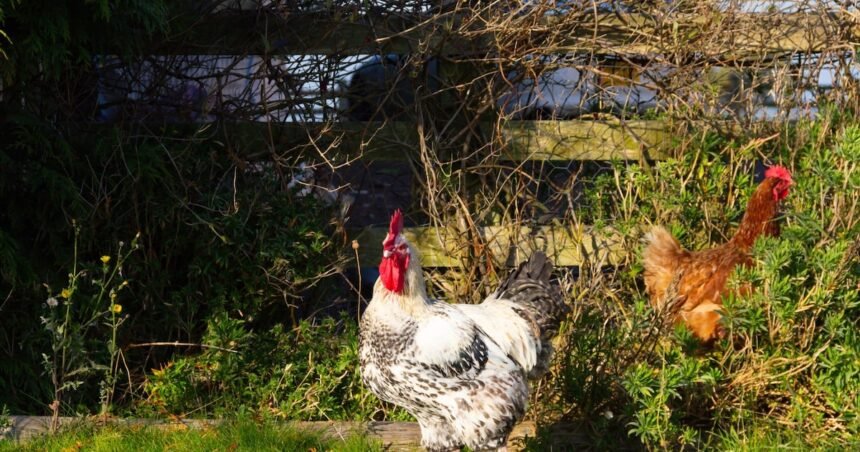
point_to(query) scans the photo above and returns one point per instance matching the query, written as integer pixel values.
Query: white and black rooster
(461, 370)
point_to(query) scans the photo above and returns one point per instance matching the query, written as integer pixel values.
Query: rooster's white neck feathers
(414, 298)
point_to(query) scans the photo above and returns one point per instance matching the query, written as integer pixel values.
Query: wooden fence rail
(265, 32)
(720, 37)
(566, 246)
(519, 141)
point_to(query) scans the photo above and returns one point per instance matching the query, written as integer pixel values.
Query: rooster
(461, 370)
(691, 285)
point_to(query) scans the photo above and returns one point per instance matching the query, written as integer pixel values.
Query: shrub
(248, 247)
(307, 372)
(790, 358)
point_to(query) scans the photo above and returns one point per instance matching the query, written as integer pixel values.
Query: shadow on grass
(579, 436)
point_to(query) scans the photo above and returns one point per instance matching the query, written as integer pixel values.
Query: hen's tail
(663, 250)
(530, 289)
(661, 258)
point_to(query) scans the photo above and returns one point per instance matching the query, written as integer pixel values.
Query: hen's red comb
(779, 172)
(396, 226)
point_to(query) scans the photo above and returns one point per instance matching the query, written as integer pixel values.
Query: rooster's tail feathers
(530, 288)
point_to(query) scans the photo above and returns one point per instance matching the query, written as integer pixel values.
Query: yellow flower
(65, 293)
(117, 308)
(105, 259)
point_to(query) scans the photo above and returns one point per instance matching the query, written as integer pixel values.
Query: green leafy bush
(247, 247)
(790, 357)
(307, 372)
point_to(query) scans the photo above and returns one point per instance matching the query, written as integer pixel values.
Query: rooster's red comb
(779, 172)
(396, 226)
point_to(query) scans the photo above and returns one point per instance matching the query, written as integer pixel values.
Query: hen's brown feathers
(662, 257)
(759, 216)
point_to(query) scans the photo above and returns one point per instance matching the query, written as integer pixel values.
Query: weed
(89, 300)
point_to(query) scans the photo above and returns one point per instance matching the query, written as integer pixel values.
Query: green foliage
(47, 40)
(241, 434)
(264, 250)
(791, 355)
(5, 421)
(211, 245)
(51, 171)
(307, 372)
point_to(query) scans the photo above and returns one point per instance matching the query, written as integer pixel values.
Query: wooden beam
(585, 140)
(715, 35)
(265, 33)
(519, 140)
(438, 247)
(719, 36)
(445, 247)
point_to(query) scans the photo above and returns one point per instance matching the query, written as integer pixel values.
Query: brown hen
(690, 285)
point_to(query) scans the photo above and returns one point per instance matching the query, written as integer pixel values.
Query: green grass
(769, 437)
(232, 436)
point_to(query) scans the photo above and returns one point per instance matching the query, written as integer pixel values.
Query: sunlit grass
(232, 436)
(769, 436)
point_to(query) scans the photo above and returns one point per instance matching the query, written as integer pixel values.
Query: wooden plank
(716, 35)
(566, 246)
(399, 436)
(719, 36)
(520, 140)
(585, 140)
(264, 33)
(438, 247)
(445, 247)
